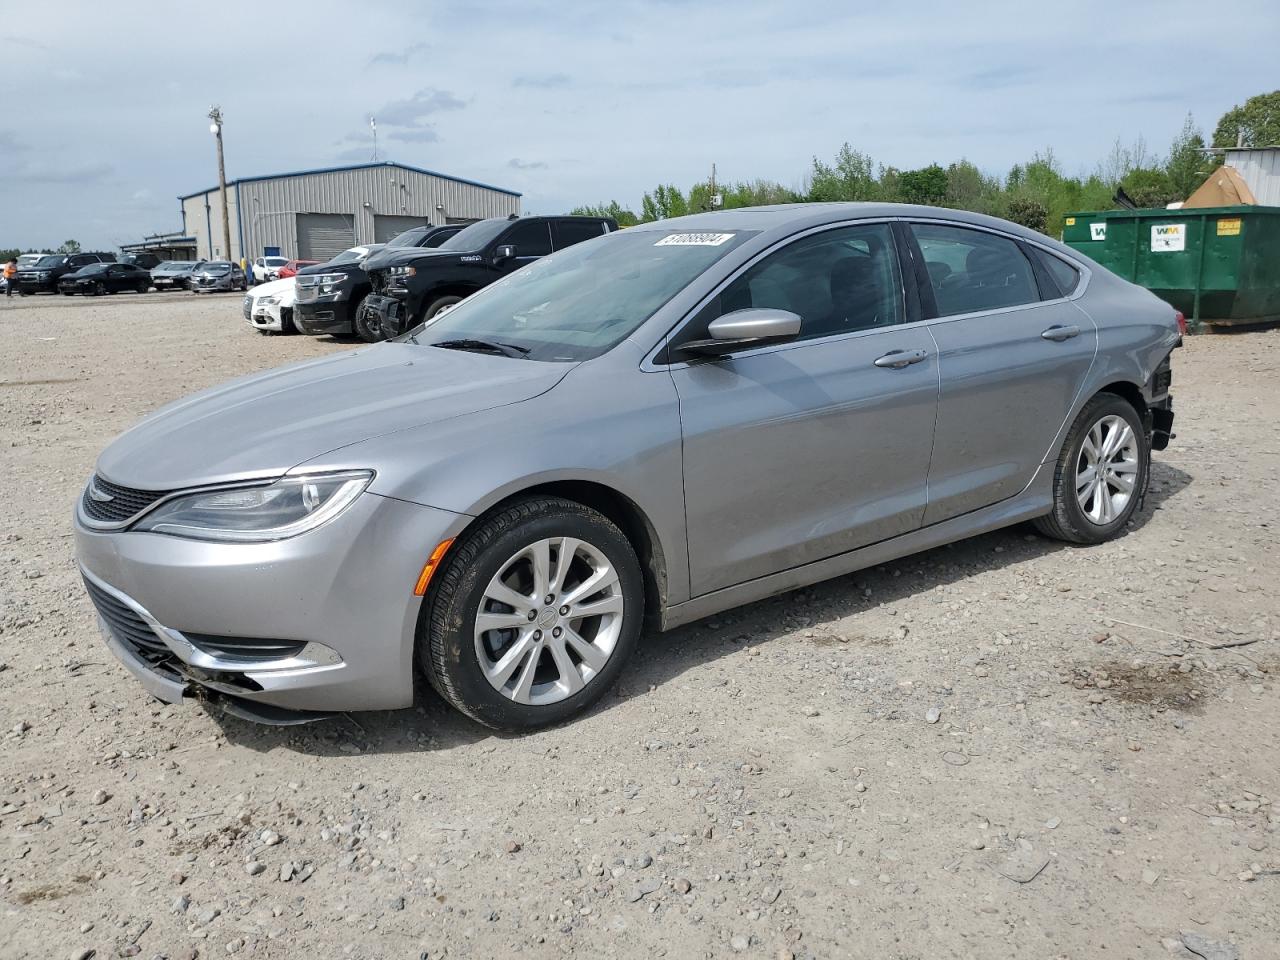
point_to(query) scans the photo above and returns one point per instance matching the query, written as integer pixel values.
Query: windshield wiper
(483, 346)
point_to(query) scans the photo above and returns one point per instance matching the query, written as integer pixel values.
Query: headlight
(268, 301)
(256, 514)
(324, 283)
(401, 274)
(42, 275)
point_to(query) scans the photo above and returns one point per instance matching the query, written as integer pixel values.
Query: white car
(267, 268)
(269, 306)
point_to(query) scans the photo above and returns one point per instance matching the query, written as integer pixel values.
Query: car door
(1011, 362)
(799, 451)
(114, 277)
(531, 238)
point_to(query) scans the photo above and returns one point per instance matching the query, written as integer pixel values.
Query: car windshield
(276, 261)
(165, 265)
(92, 269)
(47, 263)
(217, 269)
(477, 236)
(349, 256)
(583, 301)
(410, 238)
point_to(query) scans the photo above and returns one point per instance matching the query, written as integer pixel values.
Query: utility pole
(215, 114)
(373, 125)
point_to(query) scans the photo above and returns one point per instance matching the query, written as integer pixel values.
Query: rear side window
(531, 239)
(1064, 274)
(972, 271)
(568, 232)
(838, 281)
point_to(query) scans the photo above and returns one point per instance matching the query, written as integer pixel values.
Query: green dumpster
(1218, 265)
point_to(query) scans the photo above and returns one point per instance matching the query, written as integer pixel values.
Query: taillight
(1182, 322)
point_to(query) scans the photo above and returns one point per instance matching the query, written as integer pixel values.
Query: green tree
(69, 246)
(1257, 123)
(757, 193)
(851, 177)
(928, 185)
(968, 188)
(1149, 187)
(1028, 212)
(1188, 165)
(665, 201)
(623, 216)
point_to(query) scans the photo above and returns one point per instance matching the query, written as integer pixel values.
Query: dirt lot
(1004, 748)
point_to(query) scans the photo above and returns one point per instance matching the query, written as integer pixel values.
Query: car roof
(787, 218)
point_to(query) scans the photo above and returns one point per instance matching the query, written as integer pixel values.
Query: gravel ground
(1002, 748)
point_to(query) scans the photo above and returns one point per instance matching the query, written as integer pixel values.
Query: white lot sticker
(1097, 231)
(1168, 237)
(694, 240)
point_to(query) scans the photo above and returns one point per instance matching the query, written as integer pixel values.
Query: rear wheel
(534, 614)
(1101, 473)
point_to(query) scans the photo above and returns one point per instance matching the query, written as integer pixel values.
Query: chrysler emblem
(98, 495)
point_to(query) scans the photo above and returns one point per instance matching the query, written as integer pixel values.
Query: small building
(316, 214)
(1259, 168)
(166, 246)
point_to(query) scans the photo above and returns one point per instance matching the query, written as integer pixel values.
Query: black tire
(446, 647)
(286, 321)
(1068, 521)
(143, 287)
(363, 328)
(436, 305)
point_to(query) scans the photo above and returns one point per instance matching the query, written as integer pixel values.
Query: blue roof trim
(356, 166)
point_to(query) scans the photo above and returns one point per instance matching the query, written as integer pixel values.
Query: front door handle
(1059, 333)
(897, 359)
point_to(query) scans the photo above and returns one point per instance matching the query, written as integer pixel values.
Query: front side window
(971, 270)
(838, 281)
(581, 302)
(531, 239)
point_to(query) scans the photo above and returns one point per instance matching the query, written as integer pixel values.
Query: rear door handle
(897, 359)
(1060, 333)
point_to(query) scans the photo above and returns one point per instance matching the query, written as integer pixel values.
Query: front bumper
(321, 317)
(268, 317)
(391, 314)
(336, 603)
(29, 285)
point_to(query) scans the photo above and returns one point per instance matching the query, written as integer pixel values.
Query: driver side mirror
(504, 252)
(753, 327)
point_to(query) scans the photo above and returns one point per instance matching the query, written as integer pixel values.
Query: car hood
(397, 256)
(273, 288)
(263, 425)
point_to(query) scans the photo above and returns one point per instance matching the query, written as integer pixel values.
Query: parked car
(647, 428)
(268, 307)
(26, 260)
(145, 260)
(216, 275)
(174, 274)
(99, 279)
(329, 296)
(412, 286)
(265, 268)
(291, 268)
(44, 275)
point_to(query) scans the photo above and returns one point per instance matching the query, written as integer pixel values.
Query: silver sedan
(644, 429)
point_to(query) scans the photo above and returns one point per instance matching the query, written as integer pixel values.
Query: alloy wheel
(1107, 470)
(548, 621)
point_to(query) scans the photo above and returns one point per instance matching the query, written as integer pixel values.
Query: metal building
(1260, 169)
(315, 214)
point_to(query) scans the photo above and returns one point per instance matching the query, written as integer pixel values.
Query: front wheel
(143, 287)
(286, 321)
(365, 325)
(534, 614)
(440, 303)
(1101, 473)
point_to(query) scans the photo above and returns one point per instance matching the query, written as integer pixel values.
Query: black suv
(412, 286)
(43, 275)
(329, 295)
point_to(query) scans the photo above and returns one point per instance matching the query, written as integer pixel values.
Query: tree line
(1036, 194)
(68, 246)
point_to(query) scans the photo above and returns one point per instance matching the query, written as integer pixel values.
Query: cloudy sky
(569, 102)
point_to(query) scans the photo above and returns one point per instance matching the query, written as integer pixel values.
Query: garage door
(322, 236)
(388, 227)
